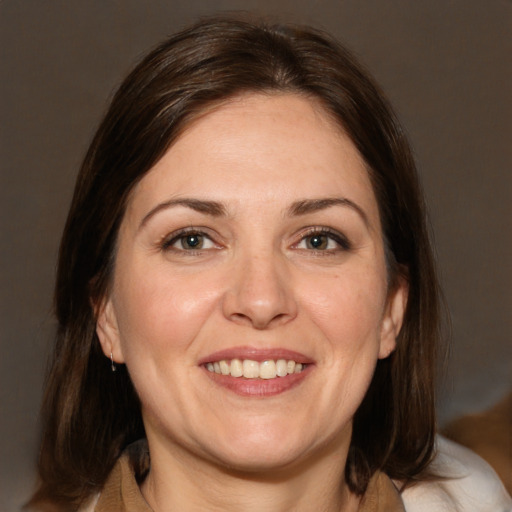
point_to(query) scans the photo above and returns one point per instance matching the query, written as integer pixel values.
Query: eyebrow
(212, 208)
(216, 209)
(306, 206)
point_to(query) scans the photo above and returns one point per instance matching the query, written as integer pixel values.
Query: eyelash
(169, 241)
(341, 240)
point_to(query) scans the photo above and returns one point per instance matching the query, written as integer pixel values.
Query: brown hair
(89, 414)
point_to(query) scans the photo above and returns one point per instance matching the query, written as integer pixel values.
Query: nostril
(240, 318)
(259, 322)
(259, 299)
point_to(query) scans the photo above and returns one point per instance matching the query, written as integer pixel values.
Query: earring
(112, 365)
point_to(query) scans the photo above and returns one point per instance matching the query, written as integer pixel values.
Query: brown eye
(193, 241)
(188, 242)
(317, 241)
(324, 240)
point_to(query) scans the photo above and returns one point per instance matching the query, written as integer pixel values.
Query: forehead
(264, 148)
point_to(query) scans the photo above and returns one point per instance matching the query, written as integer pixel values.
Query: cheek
(348, 307)
(158, 311)
(346, 310)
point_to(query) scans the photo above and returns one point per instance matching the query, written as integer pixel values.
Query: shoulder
(90, 505)
(470, 484)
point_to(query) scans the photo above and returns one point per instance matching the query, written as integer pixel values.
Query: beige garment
(121, 493)
(470, 486)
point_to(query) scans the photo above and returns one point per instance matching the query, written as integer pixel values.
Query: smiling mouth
(250, 369)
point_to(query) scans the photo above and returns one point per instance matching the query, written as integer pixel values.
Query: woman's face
(252, 247)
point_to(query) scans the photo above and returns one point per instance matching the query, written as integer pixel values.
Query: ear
(393, 317)
(108, 331)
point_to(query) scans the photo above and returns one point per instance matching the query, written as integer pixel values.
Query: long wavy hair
(90, 415)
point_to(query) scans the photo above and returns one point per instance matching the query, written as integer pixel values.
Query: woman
(247, 301)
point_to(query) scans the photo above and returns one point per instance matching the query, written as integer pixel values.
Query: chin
(259, 459)
(261, 450)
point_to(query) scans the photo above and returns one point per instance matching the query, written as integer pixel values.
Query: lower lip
(259, 387)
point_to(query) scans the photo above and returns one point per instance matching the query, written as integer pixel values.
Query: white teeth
(236, 368)
(250, 369)
(268, 370)
(281, 368)
(224, 367)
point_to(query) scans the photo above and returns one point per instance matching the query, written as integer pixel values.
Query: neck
(177, 482)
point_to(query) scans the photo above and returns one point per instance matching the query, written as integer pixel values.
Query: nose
(260, 293)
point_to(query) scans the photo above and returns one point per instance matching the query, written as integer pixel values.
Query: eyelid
(168, 240)
(341, 239)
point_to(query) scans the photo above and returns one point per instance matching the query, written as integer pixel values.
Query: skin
(257, 282)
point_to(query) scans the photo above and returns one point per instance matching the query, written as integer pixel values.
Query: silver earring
(113, 366)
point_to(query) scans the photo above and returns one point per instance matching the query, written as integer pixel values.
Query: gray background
(444, 64)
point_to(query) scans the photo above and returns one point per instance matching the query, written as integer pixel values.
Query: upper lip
(256, 354)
